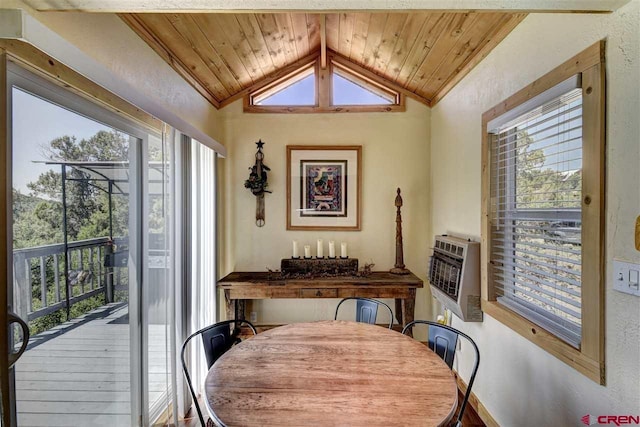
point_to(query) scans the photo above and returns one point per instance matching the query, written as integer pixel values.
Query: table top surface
(331, 373)
(376, 278)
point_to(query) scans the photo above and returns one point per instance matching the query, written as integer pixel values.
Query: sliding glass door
(90, 261)
(158, 301)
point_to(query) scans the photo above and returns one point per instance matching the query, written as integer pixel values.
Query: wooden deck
(78, 374)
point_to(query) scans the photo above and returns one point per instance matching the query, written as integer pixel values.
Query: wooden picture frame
(324, 184)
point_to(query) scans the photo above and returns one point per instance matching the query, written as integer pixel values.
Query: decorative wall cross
(257, 183)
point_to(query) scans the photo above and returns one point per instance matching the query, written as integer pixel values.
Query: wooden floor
(78, 374)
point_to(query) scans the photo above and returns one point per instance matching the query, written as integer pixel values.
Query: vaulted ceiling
(224, 55)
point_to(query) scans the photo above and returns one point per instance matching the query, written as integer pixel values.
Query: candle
(332, 249)
(319, 254)
(343, 250)
(307, 251)
(295, 249)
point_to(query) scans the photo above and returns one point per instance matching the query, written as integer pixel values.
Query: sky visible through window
(345, 92)
(299, 93)
(35, 123)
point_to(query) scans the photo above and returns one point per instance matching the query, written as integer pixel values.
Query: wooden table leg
(408, 309)
(241, 304)
(399, 311)
(230, 305)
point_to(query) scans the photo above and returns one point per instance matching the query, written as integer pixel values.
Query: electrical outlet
(253, 317)
(626, 277)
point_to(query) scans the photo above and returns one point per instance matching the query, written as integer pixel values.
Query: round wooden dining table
(331, 373)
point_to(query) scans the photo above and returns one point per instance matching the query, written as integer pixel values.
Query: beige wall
(395, 154)
(519, 383)
(108, 40)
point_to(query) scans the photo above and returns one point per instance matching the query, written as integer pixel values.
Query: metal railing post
(108, 288)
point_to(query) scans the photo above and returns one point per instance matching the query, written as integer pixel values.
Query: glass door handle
(14, 318)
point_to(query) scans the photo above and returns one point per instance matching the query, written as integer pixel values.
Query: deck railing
(40, 286)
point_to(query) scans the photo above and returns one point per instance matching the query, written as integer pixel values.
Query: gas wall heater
(454, 274)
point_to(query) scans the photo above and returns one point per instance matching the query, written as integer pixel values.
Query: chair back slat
(443, 342)
(367, 311)
(216, 341)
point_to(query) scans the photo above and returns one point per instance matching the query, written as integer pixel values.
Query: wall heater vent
(454, 274)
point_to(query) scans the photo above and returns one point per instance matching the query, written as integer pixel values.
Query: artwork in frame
(323, 187)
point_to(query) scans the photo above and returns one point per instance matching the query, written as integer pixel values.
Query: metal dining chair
(366, 310)
(443, 340)
(217, 339)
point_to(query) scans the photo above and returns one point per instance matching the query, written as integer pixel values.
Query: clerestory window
(340, 87)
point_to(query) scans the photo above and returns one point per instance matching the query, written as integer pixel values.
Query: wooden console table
(239, 287)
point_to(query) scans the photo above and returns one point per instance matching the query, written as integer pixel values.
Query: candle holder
(319, 257)
(295, 257)
(308, 257)
(344, 257)
(319, 267)
(331, 257)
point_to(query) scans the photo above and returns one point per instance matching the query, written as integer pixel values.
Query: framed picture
(323, 187)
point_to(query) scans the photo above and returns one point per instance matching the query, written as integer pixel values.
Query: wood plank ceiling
(223, 55)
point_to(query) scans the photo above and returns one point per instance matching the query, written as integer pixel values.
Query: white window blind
(536, 196)
(203, 251)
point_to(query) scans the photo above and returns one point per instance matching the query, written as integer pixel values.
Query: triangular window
(298, 89)
(350, 89)
(339, 87)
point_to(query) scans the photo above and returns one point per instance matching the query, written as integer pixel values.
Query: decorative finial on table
(399, 267)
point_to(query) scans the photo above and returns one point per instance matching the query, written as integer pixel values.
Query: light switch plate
(626, 277)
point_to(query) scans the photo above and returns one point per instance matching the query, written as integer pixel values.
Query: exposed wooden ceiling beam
(323, 41)
(203, 6)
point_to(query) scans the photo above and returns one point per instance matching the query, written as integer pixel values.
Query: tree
(87, 205)
(36, 221)
(539, 186)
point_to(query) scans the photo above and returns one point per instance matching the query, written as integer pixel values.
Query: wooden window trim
(324, 90)
(589, 359)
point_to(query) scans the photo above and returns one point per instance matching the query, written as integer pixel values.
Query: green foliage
(36, 221)
(84, 200)
(56, 318)
(540, 187)
(97, 224)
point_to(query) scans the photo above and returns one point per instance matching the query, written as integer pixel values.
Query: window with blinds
(536, 216)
